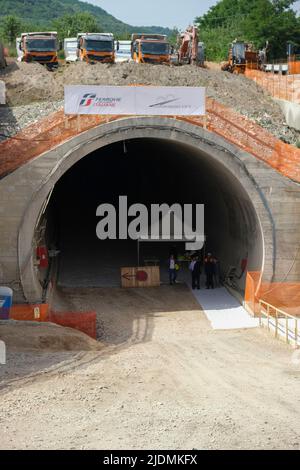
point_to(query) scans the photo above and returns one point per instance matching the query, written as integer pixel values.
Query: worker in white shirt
(172, 270)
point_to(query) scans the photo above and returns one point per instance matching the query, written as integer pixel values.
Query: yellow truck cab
(96, 47)
(40, 47)
(150, 48)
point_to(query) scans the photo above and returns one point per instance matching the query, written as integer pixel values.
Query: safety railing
(284, 325)
(277, 84)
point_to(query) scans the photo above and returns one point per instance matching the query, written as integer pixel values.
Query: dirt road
(165, 380)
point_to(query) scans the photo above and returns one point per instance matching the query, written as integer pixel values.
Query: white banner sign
(135, 100)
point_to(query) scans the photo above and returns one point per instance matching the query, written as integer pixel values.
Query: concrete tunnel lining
(212, 148)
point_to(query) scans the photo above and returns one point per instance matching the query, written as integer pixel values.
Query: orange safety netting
(82, 321)
(294, 67)
(239, 130)
(26, 312)
(285, 87)
(282, 295)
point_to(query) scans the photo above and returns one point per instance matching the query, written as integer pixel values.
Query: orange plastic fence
(252, 283)
(294, 68)
(25, 312)
(241, 131)
(283, 295)
(285, 87)
(82, 321)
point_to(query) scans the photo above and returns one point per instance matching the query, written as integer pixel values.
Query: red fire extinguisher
(42, 256)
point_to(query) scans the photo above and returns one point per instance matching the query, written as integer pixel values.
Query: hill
(41, 12)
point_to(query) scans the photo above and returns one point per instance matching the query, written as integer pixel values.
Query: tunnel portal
(147, 171)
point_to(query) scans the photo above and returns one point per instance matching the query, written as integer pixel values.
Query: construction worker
(172, 270)
(195, 268)
(217, 272)
(209, 266)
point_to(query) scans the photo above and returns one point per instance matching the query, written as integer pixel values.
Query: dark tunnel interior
(146, 171)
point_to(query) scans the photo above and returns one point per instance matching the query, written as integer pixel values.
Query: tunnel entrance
(147, 171)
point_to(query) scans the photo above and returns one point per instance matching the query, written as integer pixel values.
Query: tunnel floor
(99, 265)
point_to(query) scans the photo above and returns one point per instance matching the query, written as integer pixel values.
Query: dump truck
(96, 47)
(150, 48)
(3, 63)
(70, 50)
(190, 49)
(41, 47)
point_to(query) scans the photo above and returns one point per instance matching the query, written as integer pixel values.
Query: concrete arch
(51, 166)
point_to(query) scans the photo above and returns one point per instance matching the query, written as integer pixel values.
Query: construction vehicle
(237, 58)
(150, 48)
(3, 63)
(293, 54)
(96, 47)
(242, 55)
(41, 47)
(190, 49)
(70, 49)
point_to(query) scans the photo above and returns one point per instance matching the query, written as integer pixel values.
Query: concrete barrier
(291, 113)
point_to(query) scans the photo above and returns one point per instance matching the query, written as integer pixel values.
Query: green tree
(255, 21)
(173, 36)
(11, 27)
(70, 25)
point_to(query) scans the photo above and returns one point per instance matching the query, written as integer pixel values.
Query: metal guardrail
(285, 326)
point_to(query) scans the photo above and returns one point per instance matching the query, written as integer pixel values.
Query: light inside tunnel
(147, 171)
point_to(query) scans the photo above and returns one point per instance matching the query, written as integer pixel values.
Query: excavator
(190, 50)
(150, 48)
(40, 47)
(96, 47)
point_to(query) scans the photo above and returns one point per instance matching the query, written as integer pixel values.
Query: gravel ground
(14, 119)
(33, 92)
(165, 380)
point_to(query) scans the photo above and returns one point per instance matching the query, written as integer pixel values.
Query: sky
(168, 13)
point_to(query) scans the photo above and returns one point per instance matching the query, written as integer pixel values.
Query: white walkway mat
(223, 311)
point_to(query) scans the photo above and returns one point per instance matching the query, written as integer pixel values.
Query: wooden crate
(133, 277)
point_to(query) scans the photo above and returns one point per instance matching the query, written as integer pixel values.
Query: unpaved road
(165, 380)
